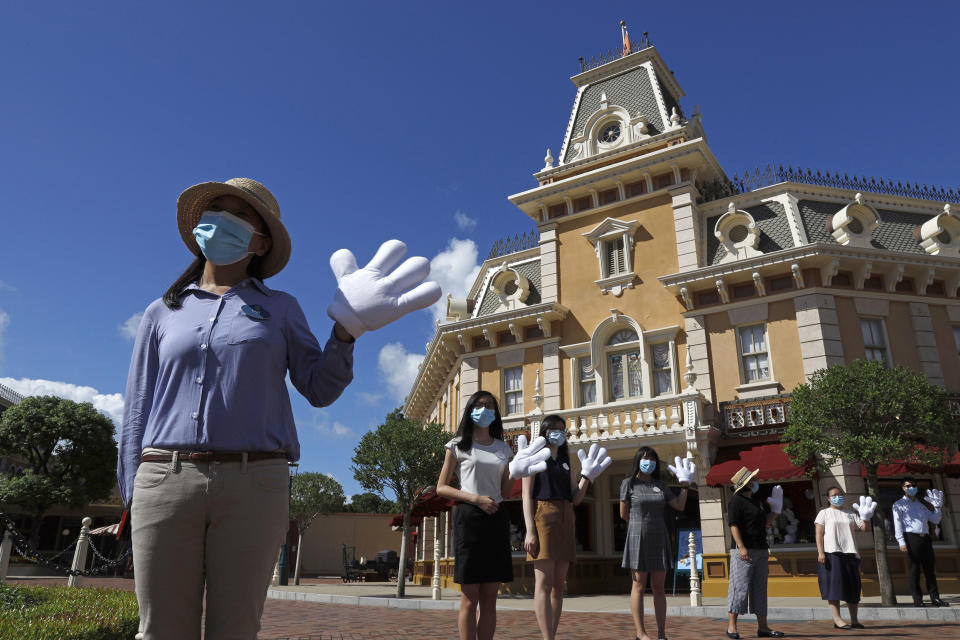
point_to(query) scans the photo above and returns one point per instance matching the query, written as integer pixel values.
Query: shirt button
(212, 319)
(203, 347)
(199, 380)
(195, 414)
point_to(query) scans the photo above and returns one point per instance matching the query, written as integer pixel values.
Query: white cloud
(464, 222)
(320, 422)
(371, 399)
(6, 287)
(109, 404)
(129, 328)
(454, 269)
(4, 323)
(398, 368)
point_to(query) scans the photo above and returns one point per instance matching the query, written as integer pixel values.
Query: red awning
(427, 505)
(905, 468)
(397, 520)
(773, 462)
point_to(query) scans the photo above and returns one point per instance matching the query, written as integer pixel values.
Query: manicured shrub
(67, 613)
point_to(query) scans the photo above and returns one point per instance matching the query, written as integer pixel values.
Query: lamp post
(293, 468)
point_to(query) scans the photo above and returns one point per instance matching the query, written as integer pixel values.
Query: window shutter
(615, 257)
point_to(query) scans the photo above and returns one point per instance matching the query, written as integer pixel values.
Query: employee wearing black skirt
(839, 572)
(481, 529)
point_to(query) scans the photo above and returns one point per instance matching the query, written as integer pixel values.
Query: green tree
(868, 413)
(368, 502)
(69, 453)
(401, 456)
(312, 494)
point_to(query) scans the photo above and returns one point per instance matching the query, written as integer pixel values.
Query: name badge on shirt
(255, 311)
(565, 466)
(656, 489)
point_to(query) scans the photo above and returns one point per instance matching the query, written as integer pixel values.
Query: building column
(549, 280)
(696, 329)
(926, 343)
(712, 527)
(469, 379)
(819, 330)
(686, 219)
(551, 377)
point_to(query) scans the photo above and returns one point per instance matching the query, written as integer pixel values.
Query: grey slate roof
(771, 219)
(895, 232)
(630, 90)
(530, 271)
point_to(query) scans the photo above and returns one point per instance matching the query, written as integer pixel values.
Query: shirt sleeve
(668, 493)
(898, 523)
(821, 517)
(626, 490)
(138, 400)
(320, 375)
(734, 513)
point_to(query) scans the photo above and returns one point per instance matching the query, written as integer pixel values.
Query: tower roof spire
(626, 39)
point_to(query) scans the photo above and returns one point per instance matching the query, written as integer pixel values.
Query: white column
(686, 227)
(549, 278)
(80, 553)
(6, 548)
(436, 558)
(469, 379)
(551, 377)
(818, 326)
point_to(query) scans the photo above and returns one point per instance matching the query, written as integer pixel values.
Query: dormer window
(853, 225)
(612, 241)
(940, 236)
(738, 233)
(510, 287)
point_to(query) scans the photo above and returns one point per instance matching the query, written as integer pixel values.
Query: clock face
(610, 133)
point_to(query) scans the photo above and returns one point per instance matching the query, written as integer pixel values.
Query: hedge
(67, 613)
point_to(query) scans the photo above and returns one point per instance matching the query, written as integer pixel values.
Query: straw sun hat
(742, 477)
(194, 201)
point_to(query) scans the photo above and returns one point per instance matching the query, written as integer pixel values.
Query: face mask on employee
(911, 491)
(556, 438)
(223, 237)
(483, 417)
(836, 501)
(755, 486)
(647, 466)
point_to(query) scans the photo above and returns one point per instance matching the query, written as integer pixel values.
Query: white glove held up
(594, 463)
(369, 298)
(685, 468)
(866, 508)
(935, 498)
(530, 460)
(776, 499)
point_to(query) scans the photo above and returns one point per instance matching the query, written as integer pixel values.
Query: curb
(905, 613)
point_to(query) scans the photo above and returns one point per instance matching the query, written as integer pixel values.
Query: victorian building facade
(662, 304)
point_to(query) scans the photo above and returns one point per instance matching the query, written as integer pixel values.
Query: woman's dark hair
(556, 423)
(649, 453)
(835, 487)
(465, 428)
(172, 297)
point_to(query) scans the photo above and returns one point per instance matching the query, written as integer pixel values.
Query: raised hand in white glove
(865, 507)
(776, 499)
(530, 460)
(594, 463)
(369, 298)
(935, 498)
(685, 468)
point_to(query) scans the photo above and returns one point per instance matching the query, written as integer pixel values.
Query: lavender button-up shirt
(209, 377)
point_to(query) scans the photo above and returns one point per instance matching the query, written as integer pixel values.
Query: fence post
(6, 548)
(80, 553)
(696, 599)
(435, 592)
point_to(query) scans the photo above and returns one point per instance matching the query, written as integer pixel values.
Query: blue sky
(370, 121)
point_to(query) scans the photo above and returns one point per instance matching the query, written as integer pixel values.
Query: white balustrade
(622, 420)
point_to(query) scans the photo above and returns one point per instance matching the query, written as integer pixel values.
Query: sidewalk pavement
(382, 594)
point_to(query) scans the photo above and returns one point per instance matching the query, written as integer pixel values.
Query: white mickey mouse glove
(935, 498)
(369, 298)
(866, 508)
(529, 460)
(594, 463)
(685, 470)
(776, 499)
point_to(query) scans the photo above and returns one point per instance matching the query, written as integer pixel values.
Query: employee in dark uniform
(749, 518)
(911, 523)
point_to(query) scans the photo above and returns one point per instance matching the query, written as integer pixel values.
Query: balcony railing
(630, 419)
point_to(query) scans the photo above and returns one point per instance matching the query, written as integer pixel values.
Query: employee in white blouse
(911, 524)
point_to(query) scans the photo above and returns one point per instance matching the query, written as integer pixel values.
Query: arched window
(624, 365)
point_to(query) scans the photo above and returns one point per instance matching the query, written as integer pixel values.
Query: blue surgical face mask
(483, 417)
(911, 491)
(755, 486)
(647, 466)
(836, 501)
(556, 438)
(223, 237)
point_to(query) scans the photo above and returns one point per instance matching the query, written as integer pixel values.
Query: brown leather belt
(212, 456)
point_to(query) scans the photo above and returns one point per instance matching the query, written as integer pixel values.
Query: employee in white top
(481, 529)
(839, 572)
(910, 524)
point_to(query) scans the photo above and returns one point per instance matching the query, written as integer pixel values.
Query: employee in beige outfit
(207, 428)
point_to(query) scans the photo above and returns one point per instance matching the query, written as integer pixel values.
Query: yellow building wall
(903, 345)
(848, 321)
(946, 347)
(322, 542)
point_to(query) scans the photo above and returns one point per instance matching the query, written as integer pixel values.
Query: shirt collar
(256, 282)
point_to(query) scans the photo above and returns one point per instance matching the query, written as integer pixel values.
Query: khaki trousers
(213, 525)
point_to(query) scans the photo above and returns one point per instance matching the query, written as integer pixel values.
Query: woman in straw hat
(749, 518)
(208, 429)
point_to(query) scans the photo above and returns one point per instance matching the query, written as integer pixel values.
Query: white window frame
(580, 381)
(508, 393)
(611, 230)
(887, 356)
(742, 356)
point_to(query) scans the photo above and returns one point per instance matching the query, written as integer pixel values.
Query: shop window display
(795, 525)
